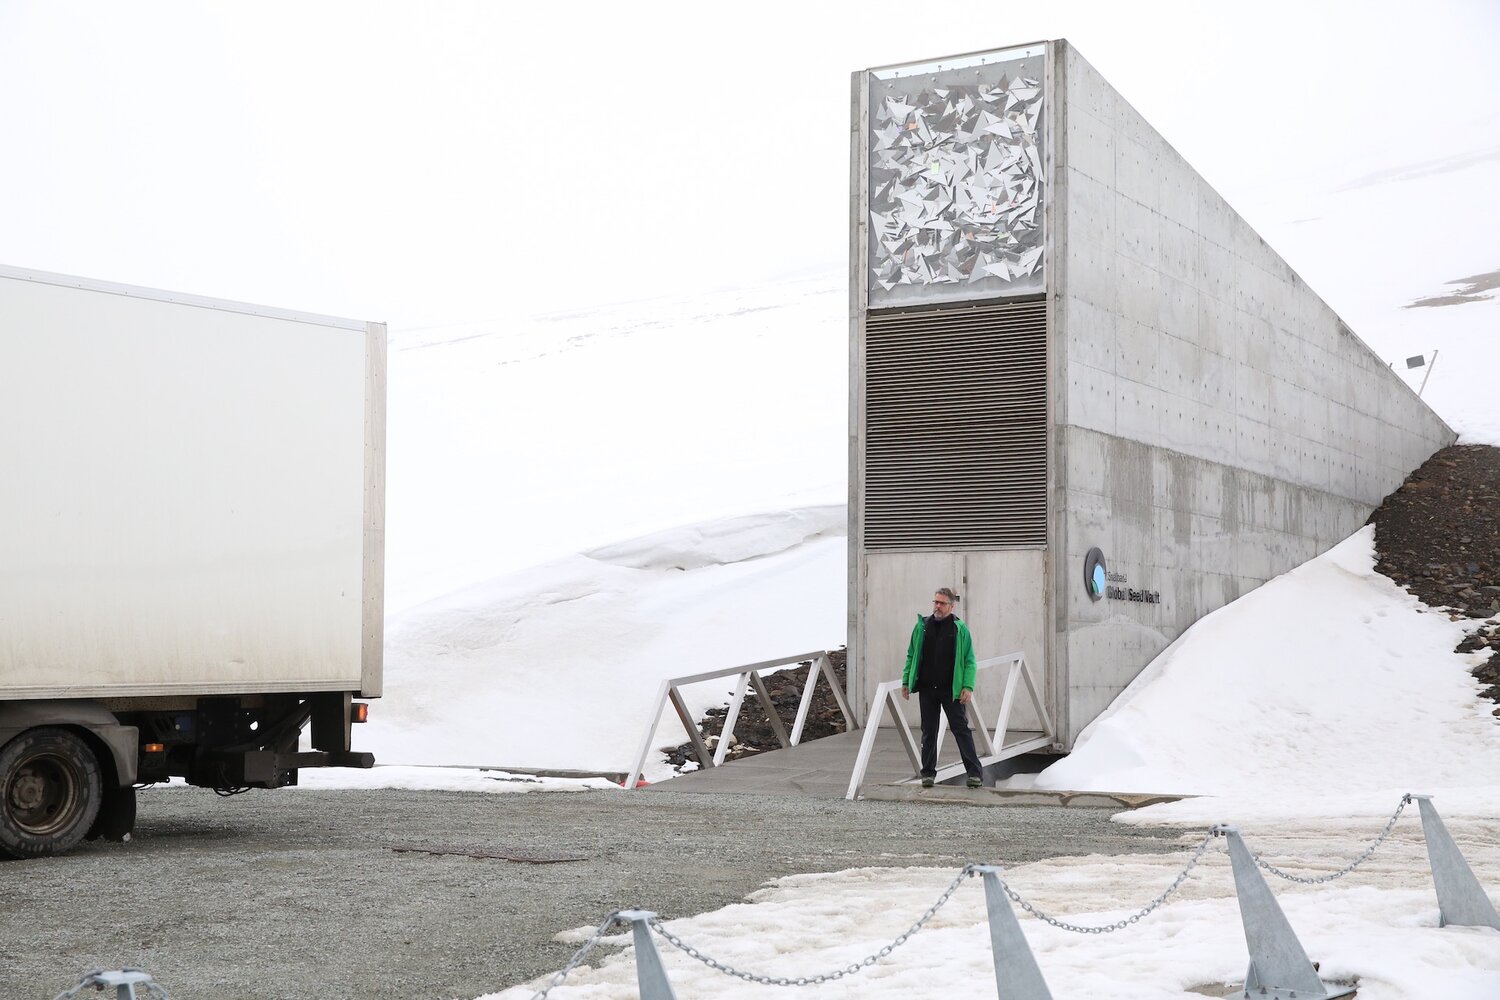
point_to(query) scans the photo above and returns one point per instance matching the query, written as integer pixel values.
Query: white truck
(191, 548)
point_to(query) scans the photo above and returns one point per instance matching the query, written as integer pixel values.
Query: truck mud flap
(116, 815)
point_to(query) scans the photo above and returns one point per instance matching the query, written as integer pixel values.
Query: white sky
(426, 163)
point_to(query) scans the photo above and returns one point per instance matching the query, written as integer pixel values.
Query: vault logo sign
(1097, 579)
(1094, 575)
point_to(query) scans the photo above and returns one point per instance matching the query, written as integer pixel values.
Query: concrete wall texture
(1215, 423)
(1003, 604)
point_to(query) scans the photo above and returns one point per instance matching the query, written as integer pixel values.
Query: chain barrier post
(1461, 899)
(124, 982)
(650, 973)
(1279, 967)
(1017, 976)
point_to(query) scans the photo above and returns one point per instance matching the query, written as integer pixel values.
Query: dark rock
(1438, 536)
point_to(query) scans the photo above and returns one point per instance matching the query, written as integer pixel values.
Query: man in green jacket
(940, 668)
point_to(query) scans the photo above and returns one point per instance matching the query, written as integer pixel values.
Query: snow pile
(513, 444)
(707, 432)
(559, 666)
(1321, 690)
(445, 779)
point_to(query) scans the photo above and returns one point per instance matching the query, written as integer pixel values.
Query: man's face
(941, 606)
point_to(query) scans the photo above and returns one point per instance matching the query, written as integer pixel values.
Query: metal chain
(968, 870)
(588, 946)
(1365, 856)
(826, 977)
(91, 979)
(1119, 924)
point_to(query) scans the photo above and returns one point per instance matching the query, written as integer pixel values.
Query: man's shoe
(926, 782)
(974, 782)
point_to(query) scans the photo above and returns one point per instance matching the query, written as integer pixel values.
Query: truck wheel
(50, 791)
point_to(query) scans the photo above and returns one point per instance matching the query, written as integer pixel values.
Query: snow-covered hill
(513, 443)
(585, 504)
(558, 666)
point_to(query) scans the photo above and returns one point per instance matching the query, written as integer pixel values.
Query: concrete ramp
(822, 768)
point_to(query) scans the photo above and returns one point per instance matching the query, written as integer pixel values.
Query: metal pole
(769, 706)
(726, 734)
(867, 741)
(690, 725)
(1461, 899)
(650, 974)
(1017, 976)
(1428, 375)
(826, 665)
(1279, 967)
(805, 703)
(640, 760)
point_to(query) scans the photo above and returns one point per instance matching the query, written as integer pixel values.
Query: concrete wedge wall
(1215, 422)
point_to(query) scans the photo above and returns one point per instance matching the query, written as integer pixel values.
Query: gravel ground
(299, 895)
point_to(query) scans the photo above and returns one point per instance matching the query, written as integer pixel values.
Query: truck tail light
(359, 712)
(154, 747)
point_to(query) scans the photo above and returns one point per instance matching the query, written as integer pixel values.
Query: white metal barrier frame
(990, 744)
(749, 677)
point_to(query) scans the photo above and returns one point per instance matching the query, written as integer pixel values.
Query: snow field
(559, 666)
(1379, 924)
(706, 432)
(512, 444)
(1336, 233)
(447, 779)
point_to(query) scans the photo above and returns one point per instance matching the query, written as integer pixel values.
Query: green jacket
(963, 660)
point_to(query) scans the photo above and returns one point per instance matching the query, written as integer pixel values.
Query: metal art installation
(956, 182)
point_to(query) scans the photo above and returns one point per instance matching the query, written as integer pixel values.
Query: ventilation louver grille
(956, 427)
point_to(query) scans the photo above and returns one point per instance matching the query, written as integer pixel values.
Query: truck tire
(50, 791)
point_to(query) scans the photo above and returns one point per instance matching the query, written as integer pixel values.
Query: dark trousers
(958, 722)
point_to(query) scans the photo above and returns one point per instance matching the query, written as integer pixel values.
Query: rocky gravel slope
(1439, 537)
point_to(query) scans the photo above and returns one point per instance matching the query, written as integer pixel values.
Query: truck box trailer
(191, 548)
